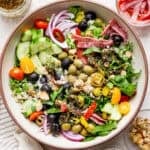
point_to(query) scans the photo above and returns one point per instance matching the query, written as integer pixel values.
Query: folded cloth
(25, 142)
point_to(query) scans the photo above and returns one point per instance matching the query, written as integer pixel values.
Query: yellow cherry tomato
(116, 95)
(27, 65)
(124, 108)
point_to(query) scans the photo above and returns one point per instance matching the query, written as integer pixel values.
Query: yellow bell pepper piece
(124, 108)
(84, 122)
(116, 95)
(105, 91)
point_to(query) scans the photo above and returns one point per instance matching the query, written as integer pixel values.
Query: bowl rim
(129, 22)
(49, 5)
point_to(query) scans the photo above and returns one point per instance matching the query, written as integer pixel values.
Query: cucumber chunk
(27, 36)
(23, 49)
(38, 66)
(40, 45)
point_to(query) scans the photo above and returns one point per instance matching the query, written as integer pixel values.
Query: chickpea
(83, 76)
(72, 78)
(84, 132)
(78, 63)
(72, 69)
(76, 128)
(90, 127)
(88, 69)
(66, 126)
(62, 55)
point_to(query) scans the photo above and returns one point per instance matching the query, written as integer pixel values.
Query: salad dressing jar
(14, 8)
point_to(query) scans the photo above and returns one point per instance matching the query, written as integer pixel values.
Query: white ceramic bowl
(129, 20)
(7, 61)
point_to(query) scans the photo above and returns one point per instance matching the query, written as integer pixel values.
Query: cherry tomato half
(80, 55)
(58, 35)
(124, 98)
(41, 24)
(16, 73)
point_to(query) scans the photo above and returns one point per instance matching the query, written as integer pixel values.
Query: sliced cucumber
(37, 33)
(55, 49)
(112, 110)
(27, 36)
(43, 56)
(115, 115)
(23, 50)
(28, 107)
(40, 45)
(38, 66)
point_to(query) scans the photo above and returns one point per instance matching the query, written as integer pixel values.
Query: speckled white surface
(6, 27)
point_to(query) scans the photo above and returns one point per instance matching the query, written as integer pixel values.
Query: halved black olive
(46, 88)
(57, 75)
(66, 63)
(33, 77)
(55, 129)
(83, 25)
(117, 39)
(43, 79)
(90, 15)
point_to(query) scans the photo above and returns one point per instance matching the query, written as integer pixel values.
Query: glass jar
(16, 10)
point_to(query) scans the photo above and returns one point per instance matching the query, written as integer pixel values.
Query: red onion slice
(49, 33)
(45, 125)
(73, 137)
(96, 121)
(58, 16)
(98, 117)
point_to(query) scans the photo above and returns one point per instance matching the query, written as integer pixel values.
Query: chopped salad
(73, 74)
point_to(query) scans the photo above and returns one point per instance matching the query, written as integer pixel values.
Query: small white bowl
(129, 20)
(145, 113)
(7, 61)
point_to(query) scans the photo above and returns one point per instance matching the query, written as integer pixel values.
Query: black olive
(66, 63)
(53, 117)
(45, 107)
(55, 129)
(43, 79)
(117, 39)
(57, 75)
(90, 15)
(46, 87)
(83, 25)
(33, 77)
(66, 86)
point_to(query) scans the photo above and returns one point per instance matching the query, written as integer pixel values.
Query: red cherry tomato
(78, 31)
(58, 35)
(16, 73)
(80, 55)
(124, 98)
(90, 110)
(63, 107)
(41, 24)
